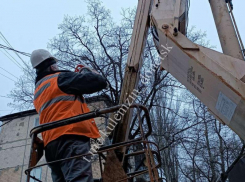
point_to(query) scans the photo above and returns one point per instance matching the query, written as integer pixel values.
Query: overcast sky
(30, 24)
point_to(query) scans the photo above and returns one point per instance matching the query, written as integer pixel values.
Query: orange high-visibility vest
(52, 105)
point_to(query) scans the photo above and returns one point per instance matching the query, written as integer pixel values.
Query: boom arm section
(218, 80)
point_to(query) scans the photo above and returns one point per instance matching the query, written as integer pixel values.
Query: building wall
(15, 149)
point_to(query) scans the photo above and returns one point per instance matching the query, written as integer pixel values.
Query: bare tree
(194, 145)
(22, 94)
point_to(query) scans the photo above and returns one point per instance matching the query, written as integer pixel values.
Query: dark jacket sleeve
(77, 83)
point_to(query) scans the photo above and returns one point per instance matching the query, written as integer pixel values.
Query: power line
(9, 72)
(12, 59)
(21, 67)
(16, 51)
(11, 48)
(5, 97)
(7, 77)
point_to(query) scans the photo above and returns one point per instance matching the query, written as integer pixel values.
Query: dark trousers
(75, 170)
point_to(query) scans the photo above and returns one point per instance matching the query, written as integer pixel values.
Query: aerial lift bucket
(149, 149)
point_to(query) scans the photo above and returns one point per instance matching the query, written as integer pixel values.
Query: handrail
(80, 118)
(86, 116)
(75, 119)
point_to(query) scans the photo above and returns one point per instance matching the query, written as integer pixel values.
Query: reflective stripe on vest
(55, 100)
(45, 79)
(40, 91)
(58, 99)
(53, 104)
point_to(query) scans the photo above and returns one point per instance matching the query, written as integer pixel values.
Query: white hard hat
(38, 56)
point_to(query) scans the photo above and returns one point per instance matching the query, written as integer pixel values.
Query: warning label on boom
(225, 106)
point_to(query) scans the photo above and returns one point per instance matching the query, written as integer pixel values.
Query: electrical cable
(11, 47)
(7, 42)
(9, 72)
(154, 32)
(12, 59)
(16, 51)
(5, 97)
(7, 77)
(230, 8)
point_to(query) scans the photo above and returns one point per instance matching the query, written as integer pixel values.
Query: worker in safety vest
(58, 96)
